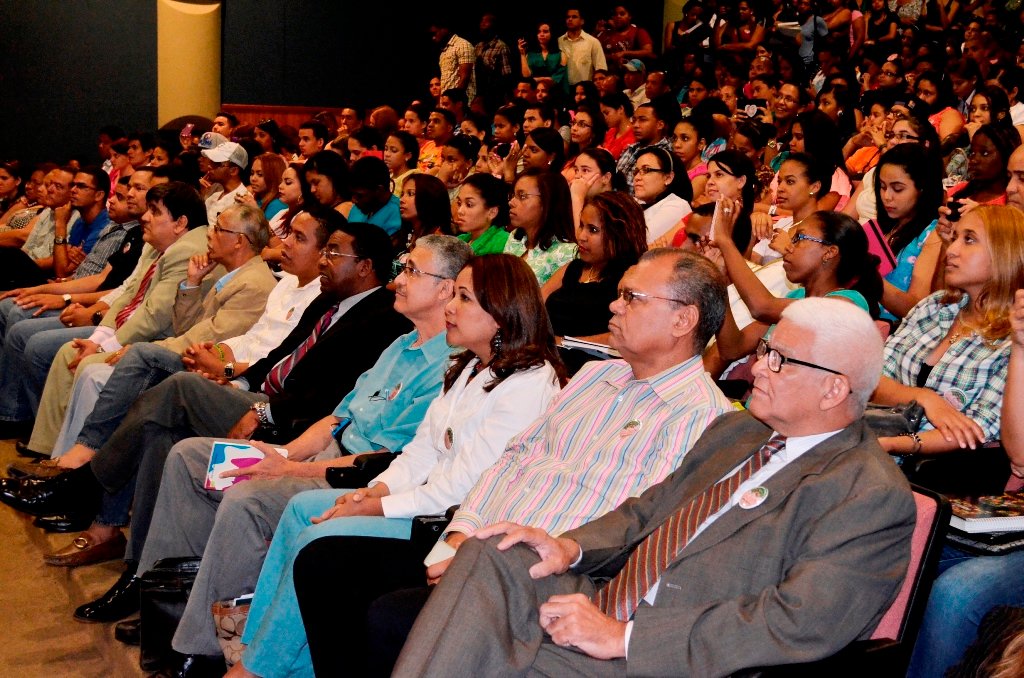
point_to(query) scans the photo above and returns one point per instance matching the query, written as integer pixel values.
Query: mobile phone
(186, 131)
(954, 210)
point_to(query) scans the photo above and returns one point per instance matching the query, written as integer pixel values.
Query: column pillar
(188, 61)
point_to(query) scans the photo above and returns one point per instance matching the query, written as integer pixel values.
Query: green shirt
(491, 241)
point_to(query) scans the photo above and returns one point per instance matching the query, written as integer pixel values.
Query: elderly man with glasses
(782, 537)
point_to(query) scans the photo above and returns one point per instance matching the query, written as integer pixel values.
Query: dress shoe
(40, 468)
(15, 429)
(128, 632)
(195, 666)
(64, 522)
(122, 600)
(23, 450)
(85, 550)
(76, 491)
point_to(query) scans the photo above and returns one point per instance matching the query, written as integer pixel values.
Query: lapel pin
(631, 427)
(753, 498)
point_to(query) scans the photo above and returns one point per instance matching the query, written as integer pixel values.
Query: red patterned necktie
(274, 382)
(126, 312)
(652, 556)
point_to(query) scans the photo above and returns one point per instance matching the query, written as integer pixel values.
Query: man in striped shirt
(619, 427)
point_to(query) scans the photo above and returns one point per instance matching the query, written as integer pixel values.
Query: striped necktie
(653, 555)
(274, 382)
(140, 296)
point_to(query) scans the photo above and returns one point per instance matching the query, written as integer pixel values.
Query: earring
(496, 344)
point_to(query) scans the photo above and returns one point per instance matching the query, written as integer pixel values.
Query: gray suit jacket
(794, 579)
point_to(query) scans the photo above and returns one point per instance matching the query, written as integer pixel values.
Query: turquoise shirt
(386, 217)
(390, 399)
(902, 274)
(850, 295)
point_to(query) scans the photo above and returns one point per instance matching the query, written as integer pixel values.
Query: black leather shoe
(15, 429)
(195, 666)
(77, 491)
(122, 600)
(23, 450)
(128, 632)
(64, 522)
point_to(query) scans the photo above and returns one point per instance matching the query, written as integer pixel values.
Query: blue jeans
(274, 632)
(143, 366)
(29, 349)
(11, 314)
(963, 593)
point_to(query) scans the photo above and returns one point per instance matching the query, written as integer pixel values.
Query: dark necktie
(652, 556)
(274, 382)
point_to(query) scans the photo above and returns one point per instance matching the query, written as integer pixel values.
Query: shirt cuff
(110, 344)
(629, 632)
(578, 558)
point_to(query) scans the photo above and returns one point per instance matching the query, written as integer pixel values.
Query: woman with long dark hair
(540, 214)
(503, 378)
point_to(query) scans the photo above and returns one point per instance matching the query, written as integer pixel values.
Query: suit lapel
(779, 486)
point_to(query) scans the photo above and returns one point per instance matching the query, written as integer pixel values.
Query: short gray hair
(696, 282)
(450, 254)
(253, 223)
(844, 338)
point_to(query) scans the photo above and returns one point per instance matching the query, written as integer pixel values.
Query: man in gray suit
(799, 559)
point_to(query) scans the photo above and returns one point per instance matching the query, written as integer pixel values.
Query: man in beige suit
(207, 306)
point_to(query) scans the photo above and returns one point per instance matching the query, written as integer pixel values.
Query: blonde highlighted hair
(1004, 227)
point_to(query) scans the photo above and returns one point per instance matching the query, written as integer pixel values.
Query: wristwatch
(97, 317)
(260, 409)
(60, 240)
(67, 300)
(229, 370)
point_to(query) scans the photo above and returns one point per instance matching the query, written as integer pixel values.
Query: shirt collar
(434, 349)
(669, 384)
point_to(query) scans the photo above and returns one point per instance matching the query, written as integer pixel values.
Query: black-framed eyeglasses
(218, 229)
(628, 296)
(82, 186)
(776, 360)
(803, 236)
(398, 267)
(334, 254)
(644, 171)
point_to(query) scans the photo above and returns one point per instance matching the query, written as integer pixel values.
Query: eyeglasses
(521, 196)
(628, 296)
(803, 236)
(82, 186)
(218, 230)
(581, 123)
(644, 171)
(776, 360)
(398, 267)
(890, 74)
(901, 136)
(334, 254)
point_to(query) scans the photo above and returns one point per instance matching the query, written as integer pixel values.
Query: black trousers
(18, 269)
(336, 580)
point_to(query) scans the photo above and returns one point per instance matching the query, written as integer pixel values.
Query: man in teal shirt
(231, 529)
(373, 201)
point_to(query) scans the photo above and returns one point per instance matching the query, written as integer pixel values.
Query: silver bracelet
(917, 441)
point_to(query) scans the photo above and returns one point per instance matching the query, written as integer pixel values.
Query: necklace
(960, 330)
(589, 275)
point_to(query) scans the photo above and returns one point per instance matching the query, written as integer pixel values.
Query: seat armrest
(365, 467)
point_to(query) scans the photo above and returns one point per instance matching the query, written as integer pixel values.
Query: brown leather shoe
(47, 468)
(84, 550)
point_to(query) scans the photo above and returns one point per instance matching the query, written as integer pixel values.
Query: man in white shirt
(228, 161)
(583, 51)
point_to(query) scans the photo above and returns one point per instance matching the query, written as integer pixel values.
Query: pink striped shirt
(606, 437)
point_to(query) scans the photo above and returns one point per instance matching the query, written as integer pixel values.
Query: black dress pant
(336, 580)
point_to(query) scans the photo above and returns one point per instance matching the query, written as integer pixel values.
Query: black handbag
(893, 420)
(165, 591)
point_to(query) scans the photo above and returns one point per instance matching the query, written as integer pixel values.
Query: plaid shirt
(457, 52)
(971, 374)
(627, 161)
(110, 241)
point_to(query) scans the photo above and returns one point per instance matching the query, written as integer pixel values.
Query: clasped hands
(362, 502)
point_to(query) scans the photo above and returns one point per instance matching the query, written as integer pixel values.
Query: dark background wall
(66, 68)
